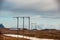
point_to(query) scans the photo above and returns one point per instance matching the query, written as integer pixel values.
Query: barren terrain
(50, 34)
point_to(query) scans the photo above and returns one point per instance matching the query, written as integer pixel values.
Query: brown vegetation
(51, 34)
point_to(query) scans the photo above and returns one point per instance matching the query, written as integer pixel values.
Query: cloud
(38, 5)
(44, 8)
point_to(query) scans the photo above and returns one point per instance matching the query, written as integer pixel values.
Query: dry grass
(51, 34)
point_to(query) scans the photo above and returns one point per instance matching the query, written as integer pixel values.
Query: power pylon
(23, 24)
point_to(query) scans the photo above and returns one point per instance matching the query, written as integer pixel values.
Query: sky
(44, 13)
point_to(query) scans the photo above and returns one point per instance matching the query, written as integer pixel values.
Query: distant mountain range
(1, 26)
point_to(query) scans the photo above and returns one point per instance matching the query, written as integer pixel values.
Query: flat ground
(50, 34)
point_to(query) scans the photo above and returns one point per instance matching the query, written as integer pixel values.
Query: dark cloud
(32, 9)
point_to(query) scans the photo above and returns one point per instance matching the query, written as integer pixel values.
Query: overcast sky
(42, 12)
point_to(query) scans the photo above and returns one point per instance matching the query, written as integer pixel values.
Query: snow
(26, 37)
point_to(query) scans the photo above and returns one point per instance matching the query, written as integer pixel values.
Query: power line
(23, 24)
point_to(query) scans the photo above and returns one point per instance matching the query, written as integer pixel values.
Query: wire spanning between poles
(17, 26)
(23, 24)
